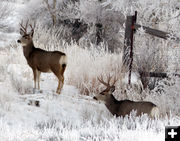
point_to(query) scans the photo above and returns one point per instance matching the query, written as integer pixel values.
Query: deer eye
(112, 89)
(25, 37)
(102, 93)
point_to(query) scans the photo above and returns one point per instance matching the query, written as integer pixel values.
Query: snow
(68, 116)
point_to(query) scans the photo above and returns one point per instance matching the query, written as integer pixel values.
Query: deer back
(126, 106)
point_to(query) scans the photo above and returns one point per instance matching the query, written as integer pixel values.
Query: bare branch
(52, 10)
(5, 11)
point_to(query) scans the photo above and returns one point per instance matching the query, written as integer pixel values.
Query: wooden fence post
(99, 31)
(131, 50)
(128, 44)
(130, 27)
(127, 41)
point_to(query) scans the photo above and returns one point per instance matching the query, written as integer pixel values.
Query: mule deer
(124, 107)
(40, 60)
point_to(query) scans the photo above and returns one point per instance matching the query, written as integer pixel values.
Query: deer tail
(155, 111)
(63, 62)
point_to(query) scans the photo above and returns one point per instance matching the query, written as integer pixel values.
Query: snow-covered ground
(68, 116)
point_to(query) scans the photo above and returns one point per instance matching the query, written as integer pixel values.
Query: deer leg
(38, 79)
(60, 84)
(35, 78)
(59, 74)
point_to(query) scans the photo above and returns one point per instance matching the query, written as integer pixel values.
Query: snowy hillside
(69, 116)
(74, 115)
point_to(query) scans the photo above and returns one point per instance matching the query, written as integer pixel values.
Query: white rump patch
(63, 60)
(155, 112)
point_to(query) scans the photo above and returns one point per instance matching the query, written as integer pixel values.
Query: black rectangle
(172, 133)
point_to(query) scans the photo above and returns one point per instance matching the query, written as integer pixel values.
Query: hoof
(58, 92)
(34, 103)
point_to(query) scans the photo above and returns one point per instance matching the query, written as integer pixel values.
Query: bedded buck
(124, 107)
(40, 60)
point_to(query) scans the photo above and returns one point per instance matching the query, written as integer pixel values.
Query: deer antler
(102, 81)
(114, 80)
(32, 27)
(27, 24)
(109, 77)
(22, 28)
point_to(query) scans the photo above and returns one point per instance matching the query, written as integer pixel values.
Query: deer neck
(111, 104)
(28, 49)
(111, 99)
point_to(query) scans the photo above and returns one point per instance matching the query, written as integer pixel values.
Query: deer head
(110, 88)
(26, 38)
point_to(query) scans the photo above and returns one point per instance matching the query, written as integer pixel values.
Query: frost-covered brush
(40, 60)
(124, 107)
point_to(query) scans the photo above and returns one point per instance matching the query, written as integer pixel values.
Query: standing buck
(124, 107)
(40, 60)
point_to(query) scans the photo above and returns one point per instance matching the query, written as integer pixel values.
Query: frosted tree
(5, 11)
(162, 15)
